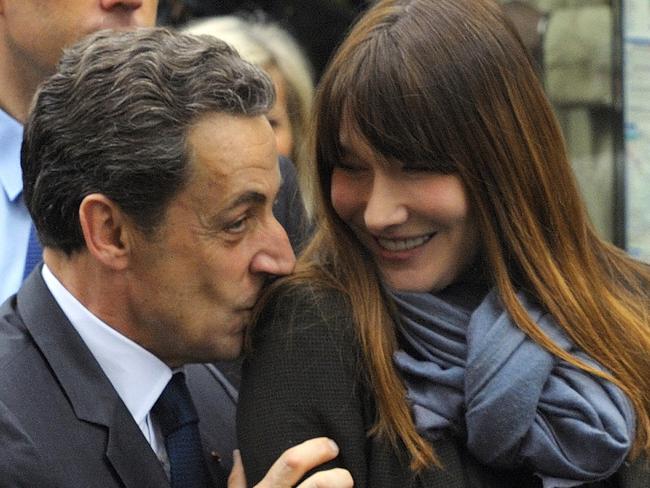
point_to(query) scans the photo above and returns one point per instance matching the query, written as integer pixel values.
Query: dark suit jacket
(62, 423)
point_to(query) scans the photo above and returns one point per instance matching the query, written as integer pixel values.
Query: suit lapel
(130, 454)
(91, 395)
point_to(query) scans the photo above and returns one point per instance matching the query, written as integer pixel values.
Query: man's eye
(237, 226)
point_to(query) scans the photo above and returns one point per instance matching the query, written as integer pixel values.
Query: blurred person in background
(33, 34)
(269, 46)
(319, 25)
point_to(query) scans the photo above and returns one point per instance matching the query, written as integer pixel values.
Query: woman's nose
(386, 205)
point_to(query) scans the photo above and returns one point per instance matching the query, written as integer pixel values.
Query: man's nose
(276, 256)
(385, 206)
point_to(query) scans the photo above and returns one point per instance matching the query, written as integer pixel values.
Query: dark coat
(304, 378)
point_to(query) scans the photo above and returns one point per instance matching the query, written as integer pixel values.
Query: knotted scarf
(477, 375)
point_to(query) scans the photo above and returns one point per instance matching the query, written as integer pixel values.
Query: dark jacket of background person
(289, 209)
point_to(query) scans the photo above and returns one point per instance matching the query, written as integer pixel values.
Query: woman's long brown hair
(448, 82)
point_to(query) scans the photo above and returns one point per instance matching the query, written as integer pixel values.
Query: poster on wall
(636, 89)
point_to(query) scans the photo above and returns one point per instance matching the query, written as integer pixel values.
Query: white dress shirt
(15, 222)
(137, 375)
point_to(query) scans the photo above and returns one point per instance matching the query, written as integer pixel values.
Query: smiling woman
(456, 321)
(420, 242)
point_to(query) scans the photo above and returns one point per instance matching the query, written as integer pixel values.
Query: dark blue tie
(34, 252)
(175, 413)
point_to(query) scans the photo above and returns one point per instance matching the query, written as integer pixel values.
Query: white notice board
(636, 89)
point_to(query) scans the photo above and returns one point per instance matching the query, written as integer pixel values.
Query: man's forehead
(229, 143)
(234, 157)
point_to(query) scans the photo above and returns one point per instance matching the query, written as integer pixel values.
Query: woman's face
(416, 223)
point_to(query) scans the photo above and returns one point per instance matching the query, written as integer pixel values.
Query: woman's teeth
(403, 244)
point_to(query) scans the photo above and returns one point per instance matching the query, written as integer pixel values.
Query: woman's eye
(416, 169)
(431, 167)
(348, 167)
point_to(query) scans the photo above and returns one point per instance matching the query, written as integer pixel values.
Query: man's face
(193, 284)
(36, 31)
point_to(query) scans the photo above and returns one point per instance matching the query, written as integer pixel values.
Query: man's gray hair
(114, 120)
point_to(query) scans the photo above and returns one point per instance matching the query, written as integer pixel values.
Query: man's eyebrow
(247, 198)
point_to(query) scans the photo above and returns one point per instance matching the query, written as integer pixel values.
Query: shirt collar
(11, 137)
(138, 376)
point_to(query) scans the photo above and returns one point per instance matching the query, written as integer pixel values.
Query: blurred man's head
(33, 34)
(149, 156)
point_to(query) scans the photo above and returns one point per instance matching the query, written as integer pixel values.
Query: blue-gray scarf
(479, 376)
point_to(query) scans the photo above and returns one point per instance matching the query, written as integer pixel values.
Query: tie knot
(174, 408)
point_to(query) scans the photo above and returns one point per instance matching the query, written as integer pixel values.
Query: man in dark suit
(150, 173)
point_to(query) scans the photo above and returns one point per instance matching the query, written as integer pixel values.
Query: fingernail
(335, 448)
(236, 455)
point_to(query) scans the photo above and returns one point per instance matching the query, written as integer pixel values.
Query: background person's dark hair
(317, 25)
(114, 118)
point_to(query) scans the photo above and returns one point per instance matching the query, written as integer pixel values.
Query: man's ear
(106, 230)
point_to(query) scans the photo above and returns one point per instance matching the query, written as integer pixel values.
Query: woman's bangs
(395, 120)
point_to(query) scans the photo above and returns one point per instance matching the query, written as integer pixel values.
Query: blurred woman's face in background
(416, 223)
(279, 115)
